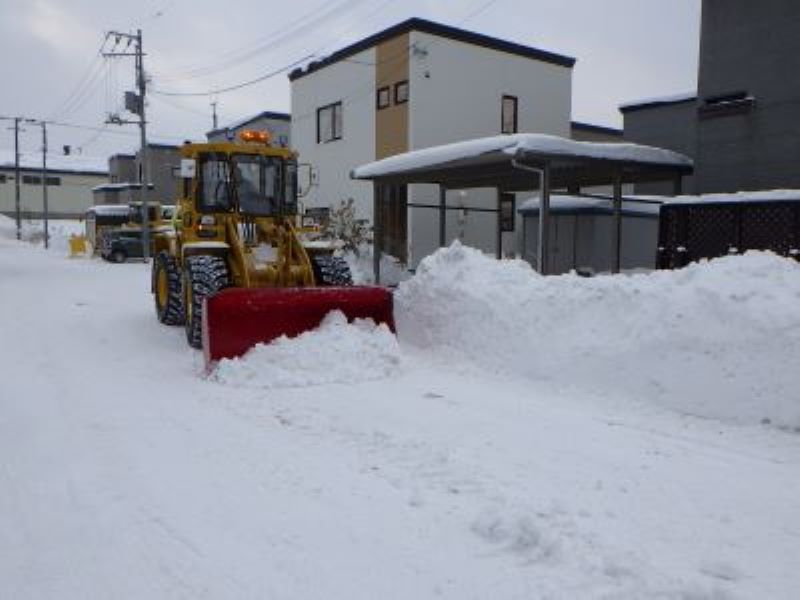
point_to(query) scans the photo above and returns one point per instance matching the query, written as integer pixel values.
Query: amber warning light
(259, 137)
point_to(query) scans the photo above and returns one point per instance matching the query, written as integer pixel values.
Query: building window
(37, 180)
(329, 123)
(383, 98)
(508, 117)
(401, 92)
(2, 178)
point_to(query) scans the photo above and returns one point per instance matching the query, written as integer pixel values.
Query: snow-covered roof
(74, 163)
(582, 204)
(110, 210)
(659, 100)
(764, 196)
(519, 146)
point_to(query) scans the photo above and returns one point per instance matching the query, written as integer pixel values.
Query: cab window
(214, 189)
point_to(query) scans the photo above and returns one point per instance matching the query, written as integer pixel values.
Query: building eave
(440, 30)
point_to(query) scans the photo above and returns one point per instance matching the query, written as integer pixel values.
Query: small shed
(522, 162)
(581, 231)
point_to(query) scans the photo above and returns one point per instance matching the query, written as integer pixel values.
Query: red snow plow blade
(236, 319)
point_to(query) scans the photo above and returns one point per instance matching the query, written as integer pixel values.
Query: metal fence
(690, 232)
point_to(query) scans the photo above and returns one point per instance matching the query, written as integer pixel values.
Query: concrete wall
(672, 126)
(746, 47)
(163, 160)
(456, 92)
(122, 168)
(70, 199)
(752, 47)
(353, 83)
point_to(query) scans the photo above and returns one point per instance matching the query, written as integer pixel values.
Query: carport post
(617, 227)
(377, 233)
(499, 224)
(442, 216)
(677, 185)
(544, 220)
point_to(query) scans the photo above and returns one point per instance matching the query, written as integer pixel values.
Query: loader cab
(251, 184)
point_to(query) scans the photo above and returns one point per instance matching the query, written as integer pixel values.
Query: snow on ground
(128, 474)
(719, 339)
(363, 352)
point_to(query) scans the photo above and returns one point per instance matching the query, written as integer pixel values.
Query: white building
(416, 85)
(70, 180)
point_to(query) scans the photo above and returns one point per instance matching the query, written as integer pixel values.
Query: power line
(238, 86)
(307, 23)
(87, 81)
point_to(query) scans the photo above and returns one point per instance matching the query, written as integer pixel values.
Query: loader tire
(203, 276)
(168, 289)
(331, 270)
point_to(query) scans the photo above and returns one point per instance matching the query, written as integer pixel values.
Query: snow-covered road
(126, 474)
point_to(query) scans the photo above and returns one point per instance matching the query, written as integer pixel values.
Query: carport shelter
(523, 162)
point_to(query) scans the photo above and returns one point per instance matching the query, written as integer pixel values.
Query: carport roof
(495, 162)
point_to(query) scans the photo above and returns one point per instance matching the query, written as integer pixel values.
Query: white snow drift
(719, 339)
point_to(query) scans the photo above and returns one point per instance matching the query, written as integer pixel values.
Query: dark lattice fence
(690, 232)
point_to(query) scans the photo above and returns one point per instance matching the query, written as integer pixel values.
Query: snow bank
(362, 268)
(718, 339)
(32, 231)
(336, 352)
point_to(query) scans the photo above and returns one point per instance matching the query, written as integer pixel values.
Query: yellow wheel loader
(232, 268)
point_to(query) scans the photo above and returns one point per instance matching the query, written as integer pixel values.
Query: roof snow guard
(443, 31)
(500, 162)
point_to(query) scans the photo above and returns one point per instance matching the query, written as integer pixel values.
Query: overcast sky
(626, 50)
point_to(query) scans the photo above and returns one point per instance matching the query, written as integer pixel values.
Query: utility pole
(16, 178)
(44, 187)
(135, 103)
(214, 115)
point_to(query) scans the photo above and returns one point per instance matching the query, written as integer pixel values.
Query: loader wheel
(203, 276)
(331, 270)
(167, 289)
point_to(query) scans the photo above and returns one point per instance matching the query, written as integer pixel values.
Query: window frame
(515, 127)
(385, 89)
(399, 85)
(335, 135)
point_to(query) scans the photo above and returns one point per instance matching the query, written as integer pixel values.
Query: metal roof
(500, 162)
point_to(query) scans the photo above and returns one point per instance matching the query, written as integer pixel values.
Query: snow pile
(32, 231)
(336, 352)
(718, 339)
(362, 268)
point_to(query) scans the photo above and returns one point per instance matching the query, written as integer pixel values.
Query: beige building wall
(69, 200)
(391, 122)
